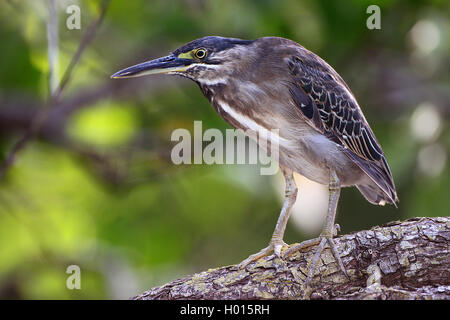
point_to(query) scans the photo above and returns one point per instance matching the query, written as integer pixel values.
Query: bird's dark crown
(212, 43)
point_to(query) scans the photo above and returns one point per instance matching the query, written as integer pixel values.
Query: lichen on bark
(400, 260)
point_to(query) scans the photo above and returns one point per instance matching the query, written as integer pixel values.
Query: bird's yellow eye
(200, 53)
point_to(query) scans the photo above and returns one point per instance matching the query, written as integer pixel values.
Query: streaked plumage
(327, 102)
(324, 99)
(275, 83)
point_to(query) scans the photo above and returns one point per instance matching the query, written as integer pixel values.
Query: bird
(273, 83)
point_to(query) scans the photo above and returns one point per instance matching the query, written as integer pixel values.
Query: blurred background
(96, 187)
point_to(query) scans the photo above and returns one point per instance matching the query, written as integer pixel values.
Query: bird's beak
(168, 64)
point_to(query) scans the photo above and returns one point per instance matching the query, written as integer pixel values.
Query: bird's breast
(300, 147)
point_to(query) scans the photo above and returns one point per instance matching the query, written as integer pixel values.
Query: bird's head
(208, 61)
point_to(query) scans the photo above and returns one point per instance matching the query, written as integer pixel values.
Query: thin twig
(54, 98)
(88, 36)
(52, 45)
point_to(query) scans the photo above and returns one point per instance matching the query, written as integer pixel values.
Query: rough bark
(400, 260)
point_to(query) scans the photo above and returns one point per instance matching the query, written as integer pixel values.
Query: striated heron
(275, 83)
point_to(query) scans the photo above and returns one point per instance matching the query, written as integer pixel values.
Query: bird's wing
(329, 106)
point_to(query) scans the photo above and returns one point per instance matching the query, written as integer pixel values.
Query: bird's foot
(326, 237)
(274, 245)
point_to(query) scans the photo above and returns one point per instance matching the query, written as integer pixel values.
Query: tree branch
(400, 260)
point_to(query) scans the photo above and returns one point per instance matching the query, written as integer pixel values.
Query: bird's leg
(328, 232)
(276, 242)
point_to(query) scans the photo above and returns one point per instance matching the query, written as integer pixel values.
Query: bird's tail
(381, 190)
(375, 194)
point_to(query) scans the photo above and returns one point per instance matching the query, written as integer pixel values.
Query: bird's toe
(300, 246)
(275, 246)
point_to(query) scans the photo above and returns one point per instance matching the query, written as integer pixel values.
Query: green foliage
(15, 62)
(106, 124)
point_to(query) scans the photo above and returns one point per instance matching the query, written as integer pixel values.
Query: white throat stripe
(248, 123)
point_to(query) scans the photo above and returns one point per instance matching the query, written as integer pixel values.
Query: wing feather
(329, 106)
